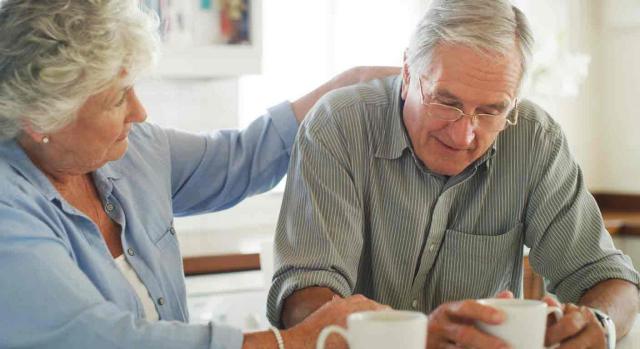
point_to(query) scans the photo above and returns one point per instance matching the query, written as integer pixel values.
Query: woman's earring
(45, 139)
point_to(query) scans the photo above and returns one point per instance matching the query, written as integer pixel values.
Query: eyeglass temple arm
(515, 116)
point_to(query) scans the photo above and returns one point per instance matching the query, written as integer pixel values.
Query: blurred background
(225, 61)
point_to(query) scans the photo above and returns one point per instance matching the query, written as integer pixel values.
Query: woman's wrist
(290, 338)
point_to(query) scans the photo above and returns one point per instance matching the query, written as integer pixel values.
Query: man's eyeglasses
(489, 122)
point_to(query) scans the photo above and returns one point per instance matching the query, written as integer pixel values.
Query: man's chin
(446, 168)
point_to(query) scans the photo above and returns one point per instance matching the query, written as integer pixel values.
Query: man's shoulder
(374, 93)
(532, 116)
(536, 130)
(362, 103)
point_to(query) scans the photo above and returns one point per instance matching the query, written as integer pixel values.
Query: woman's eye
(122, 99)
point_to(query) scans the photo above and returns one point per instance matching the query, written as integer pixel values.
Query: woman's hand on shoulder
(348, 77)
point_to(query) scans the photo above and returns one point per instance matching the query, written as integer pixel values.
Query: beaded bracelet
(276, 333)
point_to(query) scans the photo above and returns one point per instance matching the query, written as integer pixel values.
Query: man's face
(458, 76)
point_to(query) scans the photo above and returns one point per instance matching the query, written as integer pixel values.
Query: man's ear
(406, 79)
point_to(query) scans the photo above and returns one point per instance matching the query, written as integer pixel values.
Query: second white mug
(525, 324)
(381, 330)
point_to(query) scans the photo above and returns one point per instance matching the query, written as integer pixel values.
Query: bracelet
(276, 333)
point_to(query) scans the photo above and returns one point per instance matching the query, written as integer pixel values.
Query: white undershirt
(148, 305)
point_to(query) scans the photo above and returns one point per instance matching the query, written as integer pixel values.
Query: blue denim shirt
(60, 285)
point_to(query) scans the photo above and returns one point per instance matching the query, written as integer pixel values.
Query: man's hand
(451, 325)
(578, 328)
(335, 312)
(302, 303)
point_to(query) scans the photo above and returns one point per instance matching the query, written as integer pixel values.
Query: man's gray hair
(487, 25)
(54, 54)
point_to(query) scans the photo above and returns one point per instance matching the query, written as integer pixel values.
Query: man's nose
(463, 132)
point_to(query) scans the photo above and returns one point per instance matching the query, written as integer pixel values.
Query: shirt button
(160, 301)
(131, 252)
(414, 304)
(432, 247)
(172, 231)
(109, 207)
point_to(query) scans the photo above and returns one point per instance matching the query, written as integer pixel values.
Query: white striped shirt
(361, 214)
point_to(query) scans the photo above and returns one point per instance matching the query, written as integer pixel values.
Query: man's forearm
(617, 298)
(302, 303)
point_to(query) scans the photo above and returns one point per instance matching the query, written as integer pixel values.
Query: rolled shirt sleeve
(319, 235)
(569, 244)
(216, 171)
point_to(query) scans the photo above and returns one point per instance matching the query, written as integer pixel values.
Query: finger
(450, 346)
(472, 310)
(572, 323)
(551, 301)
(469, 336)
(591, 337)
(359, 303)
(504, 294)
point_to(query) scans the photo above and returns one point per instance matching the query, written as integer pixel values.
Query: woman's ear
(37, 137)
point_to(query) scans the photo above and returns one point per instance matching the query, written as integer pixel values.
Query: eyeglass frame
(475, 116)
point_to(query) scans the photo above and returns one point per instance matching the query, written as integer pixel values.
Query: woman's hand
(349, 77)
(305, 334)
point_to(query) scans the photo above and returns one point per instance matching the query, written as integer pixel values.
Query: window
(307, 42)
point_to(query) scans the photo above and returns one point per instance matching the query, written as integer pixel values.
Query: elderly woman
(88, 252)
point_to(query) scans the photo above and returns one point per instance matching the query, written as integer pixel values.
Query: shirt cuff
(225, 337)
(285, 123)
(284, 285)
(613, 267)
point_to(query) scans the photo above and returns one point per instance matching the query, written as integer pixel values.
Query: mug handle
(557, 313)
(328, 331)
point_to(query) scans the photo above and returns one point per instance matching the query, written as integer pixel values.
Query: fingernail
(497, 316)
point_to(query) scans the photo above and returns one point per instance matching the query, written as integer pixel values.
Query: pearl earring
(45, 139)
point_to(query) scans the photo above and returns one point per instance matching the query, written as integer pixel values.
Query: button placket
(436, 234)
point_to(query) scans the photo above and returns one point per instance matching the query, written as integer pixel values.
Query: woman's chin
(119, 149)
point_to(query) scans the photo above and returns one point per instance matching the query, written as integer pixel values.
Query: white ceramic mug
(381, 330)
(525, 324)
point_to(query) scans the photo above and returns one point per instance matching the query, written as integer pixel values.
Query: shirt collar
(394, 139)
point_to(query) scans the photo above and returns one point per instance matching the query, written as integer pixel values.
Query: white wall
(618, 118)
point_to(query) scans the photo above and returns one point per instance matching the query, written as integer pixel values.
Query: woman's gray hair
(54, 54)
(486, 25)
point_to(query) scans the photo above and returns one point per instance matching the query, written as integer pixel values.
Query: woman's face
(100, 132)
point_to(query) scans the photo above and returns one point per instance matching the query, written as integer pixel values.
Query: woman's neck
(52, 163)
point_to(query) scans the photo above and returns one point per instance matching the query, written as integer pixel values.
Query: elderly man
(420, 192)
